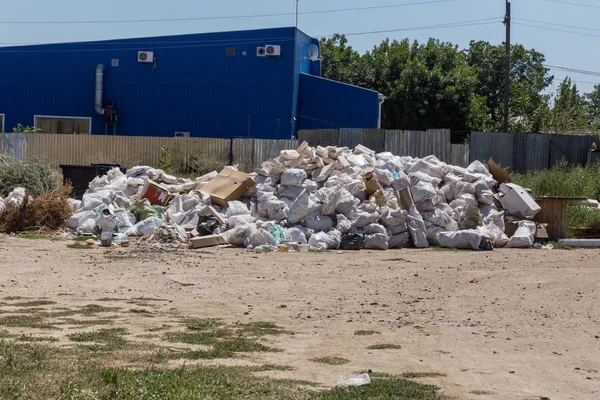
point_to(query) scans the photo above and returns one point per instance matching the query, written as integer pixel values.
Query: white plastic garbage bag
(15, 198)
(377, 241)
(238, 235)
(237, 208)
(374, 228)
(398, 241)
(416, 228)
(346, 203)
(322, 241)
(343, 224)
(260, 237)
(465, 239)
(77, 220)
(360, 380)
(124, 220)
(496, 234)
(293, 177)
(107, 222)
(239, 220)
(485, 195)
(524, 236)
(300, 209)
(145, 227)
(423, 191)
(92, 200)
(296, 235)
(318, 223)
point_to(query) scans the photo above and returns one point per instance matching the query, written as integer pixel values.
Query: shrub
(36, 177)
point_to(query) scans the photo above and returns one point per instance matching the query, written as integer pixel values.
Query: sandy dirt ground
(507, 324)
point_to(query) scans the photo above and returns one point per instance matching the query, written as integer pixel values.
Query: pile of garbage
(315, 198)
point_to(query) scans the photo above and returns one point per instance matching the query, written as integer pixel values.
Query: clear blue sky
(560, 48)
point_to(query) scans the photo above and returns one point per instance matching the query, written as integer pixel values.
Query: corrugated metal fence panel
(536, 154)
(124, 150)
(439, 144)
(417, 143)
(350, 137)
(396, 142)
(374, 139)
(320, 137)
(14, 144)
(243, 153)
(497, 146)
(265, 149)
(574, 148)
(460, 155)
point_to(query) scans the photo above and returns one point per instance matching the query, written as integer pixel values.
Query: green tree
(529, 110)
(569, 114)
(593, 106)
(340, 62)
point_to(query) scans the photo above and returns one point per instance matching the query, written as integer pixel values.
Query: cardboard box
(206, 241)
(517, 202)
(510, 228)
(155, 193)
(229, 185)
(371, 184)
(541, 232)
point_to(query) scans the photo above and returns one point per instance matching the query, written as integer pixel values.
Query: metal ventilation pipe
(99, 91)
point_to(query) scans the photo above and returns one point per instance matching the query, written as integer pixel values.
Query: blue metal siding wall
(194, 86)
(325, 104)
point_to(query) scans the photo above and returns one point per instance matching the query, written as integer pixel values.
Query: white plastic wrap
(259, 237)
(293, 177)
(496, 234)
(465, 239)
(145, 227)
(377, 241)
(296, 235)
(318, 223)
(416, 228)
(15, 198)
(237, 208)
(524, 236)
(77, 220)
(322, 241)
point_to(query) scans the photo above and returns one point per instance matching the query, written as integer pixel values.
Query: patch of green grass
(30, 338)
(203, 324)
(83, 322)
(139, 311)
(159, 328)
(438, 248)
(227, 349)
(34, 303)
(85, 238)
(330, 360)
(366, 333)
(80, 246)
(110, 299)
(147, 336)
(88, 310)
(205, 338)
(384, 346)
(148, 299)
(579, 216)
(561, 246)
(416, 375)
(260, 329)
(4, 334)
(25, 321)
(272, 367)
(36, 371)
(112, 338)
(34, 236)
(11, 298)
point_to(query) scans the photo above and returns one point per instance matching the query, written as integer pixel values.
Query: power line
(572, 70)
(557, 30)
(133, 21)
(573, 3)
(199, 44)
(553, 24)
(439, 26)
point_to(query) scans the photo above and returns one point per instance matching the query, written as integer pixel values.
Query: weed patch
(366, 333)
(330, 360)
(384, 346)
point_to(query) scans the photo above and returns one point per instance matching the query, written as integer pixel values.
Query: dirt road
(507, 324)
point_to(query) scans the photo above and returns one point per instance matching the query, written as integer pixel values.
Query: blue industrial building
(261, 83)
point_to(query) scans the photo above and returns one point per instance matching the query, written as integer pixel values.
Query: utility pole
(507, 77)
(296, 81)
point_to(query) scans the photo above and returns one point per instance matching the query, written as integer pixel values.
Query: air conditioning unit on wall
(181, 134)
(145, 56)
(273, 50)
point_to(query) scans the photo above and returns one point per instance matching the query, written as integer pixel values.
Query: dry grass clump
(47, 212)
